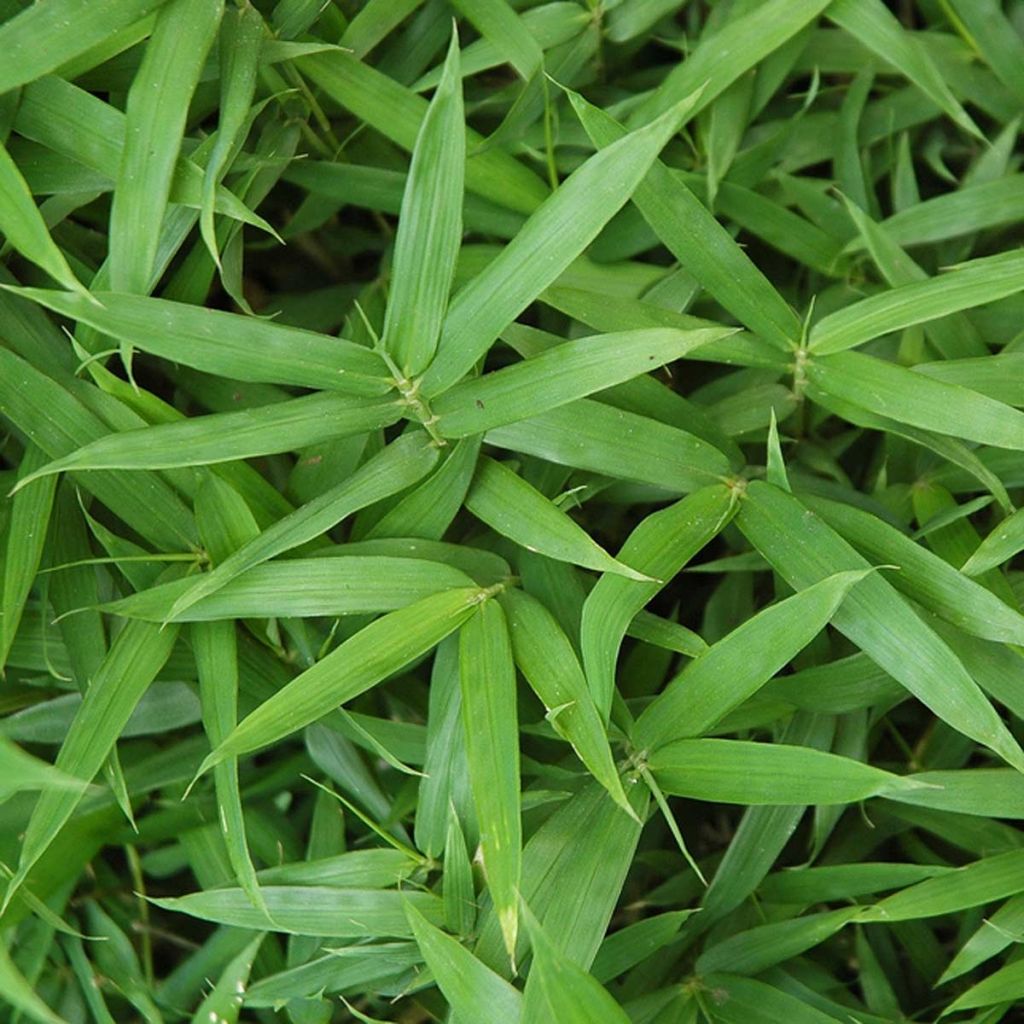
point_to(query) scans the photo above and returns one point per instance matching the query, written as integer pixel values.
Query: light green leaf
(429, 227)
(908, 397)
(223, 437)
(475, 993)
(515, 509)
(549, 664)
(803, 549)
(735, 668)
(559, 989)
(563, 226)
(716, 261)
(398, 466)
(44, 36)
(488, 683)
(741, 772)
(224, 1001)
(661, 545)
(239, 347)
(156, 110)
(568, 372)
(1005, 541)
(311, 910)
(377, 651)
(962, 287)
(590, 435)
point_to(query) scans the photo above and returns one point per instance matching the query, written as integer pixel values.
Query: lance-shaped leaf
(702, 245)
(1005, 541)
(723, 56)
(565, 373)
(239, 347)
(21, 995)
(21, 772)
(549, 664)
(223, 437)
(156, 110)
(398, 466)
(301, 587)
(24, 228)
(26, 537)
(1003, 986)
(241, 38)
(661, 545)
(590, 435)
(312, 910)
(377, 651)
(804, 549)
(755, 950)
(487, 678)
(741, 772)
(988, 879)
(224, 1000)
(967, 285)
(878, 29)
(735, 667)
(562, 227)
(474, 992)
(429, 227)
(44, 36)
(559, 989)
(216, 654)
(134, 659)
(516, 509)
(909, 397)
(924, 576)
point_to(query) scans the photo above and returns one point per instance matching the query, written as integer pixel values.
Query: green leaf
(155, 114)
(723, 56)
(488, 684)
(475, 993)
(740, 772)
(590, 435)
(991, 878)
(558, 989)
(568, 372)
(301, 587)
(26, 539)
(750, 1001)
(755, 950)
(24, 227)
(879, 30)
(563, 226)
(398, 466)
(676, 215)
(225, 998)
(1005, 541)
(241, 37)
(989, 792)
(803, 549)
(17, 991)
(925, 577)
(964, 286)
(909, 397)
(21, 772)
(515, 509)
(41, 38)
(733, 669)
(134, 659)
(661, 545)
(429, 227)
(500, 25)
(377, 651)
(311, 910)
(1003, 986)
(549, 664)
(243, 348)
(223, 437)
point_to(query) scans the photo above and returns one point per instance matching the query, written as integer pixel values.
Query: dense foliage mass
(509, 511)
